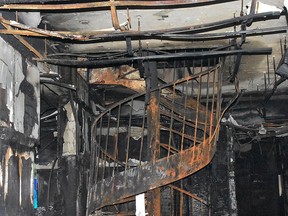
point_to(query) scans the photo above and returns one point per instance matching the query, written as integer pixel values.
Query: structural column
(153, 121)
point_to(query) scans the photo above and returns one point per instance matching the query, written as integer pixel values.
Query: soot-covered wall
(19, 130)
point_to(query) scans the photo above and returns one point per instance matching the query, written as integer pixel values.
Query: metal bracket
(129, 46)
(114, 17)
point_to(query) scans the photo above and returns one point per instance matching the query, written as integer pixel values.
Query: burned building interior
(143, 107)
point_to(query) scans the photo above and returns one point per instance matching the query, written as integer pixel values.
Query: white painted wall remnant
(140, 205)
(11, 77)
(262, 8)
(6, 82)
(69, 145)
(19, 99)
(286, 4)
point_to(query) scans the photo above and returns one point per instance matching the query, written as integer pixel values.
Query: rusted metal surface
(114, 17)
(105, 4)
(164, 150)
(154, 202)
(153, 136)
(150, 176)
(124, 75)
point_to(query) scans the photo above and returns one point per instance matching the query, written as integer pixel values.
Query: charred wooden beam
(120, 61)
(23, 41)
(20, 32)
(104, 4)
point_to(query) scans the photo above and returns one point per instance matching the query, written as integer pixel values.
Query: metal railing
(155, 138)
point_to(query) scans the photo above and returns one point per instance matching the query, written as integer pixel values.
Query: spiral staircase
(150, 142)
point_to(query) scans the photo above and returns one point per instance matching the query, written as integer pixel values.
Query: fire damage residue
(4, 111)
(30, 103)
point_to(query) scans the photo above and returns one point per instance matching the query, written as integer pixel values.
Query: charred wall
(19, 130)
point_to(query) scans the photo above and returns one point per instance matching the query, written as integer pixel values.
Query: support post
(153, 120)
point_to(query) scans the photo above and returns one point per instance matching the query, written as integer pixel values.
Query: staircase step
(149, 176)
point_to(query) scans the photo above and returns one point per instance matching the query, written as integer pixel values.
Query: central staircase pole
(153, 120)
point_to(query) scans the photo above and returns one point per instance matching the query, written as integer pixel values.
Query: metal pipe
(224, 35)
(104, 4)
(158, 34)
(119, 61)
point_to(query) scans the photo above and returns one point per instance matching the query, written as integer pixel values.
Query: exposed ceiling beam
(103, 4)
(172, 32)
